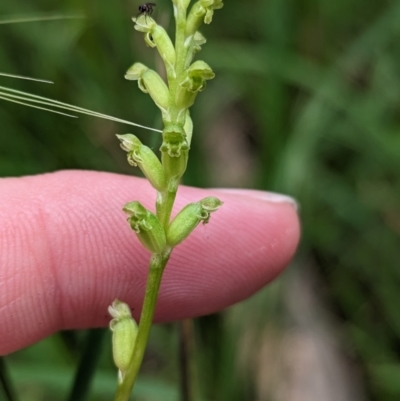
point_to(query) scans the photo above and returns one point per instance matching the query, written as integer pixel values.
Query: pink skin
(66, 252)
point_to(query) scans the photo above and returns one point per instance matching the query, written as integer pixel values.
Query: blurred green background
(306, 102)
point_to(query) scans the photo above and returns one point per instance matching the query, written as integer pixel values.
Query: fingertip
(66, 274)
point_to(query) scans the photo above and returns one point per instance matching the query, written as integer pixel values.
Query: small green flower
(124, 330)
(175, 153)
(174, 140)
(142, 156)
(150, 82)
(147, 227)
(202, 11)
(189, 218)
(194, 81)
(196, 76)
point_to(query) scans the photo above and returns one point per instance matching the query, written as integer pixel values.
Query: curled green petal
(129, 142)
(135, 72)
(209, 205)
(201, 68)
(210, 6)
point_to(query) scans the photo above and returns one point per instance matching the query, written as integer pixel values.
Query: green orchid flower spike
(156, 230)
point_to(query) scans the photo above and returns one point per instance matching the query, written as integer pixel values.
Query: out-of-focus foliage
(314, 87)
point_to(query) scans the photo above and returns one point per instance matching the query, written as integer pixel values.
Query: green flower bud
(150, 82)
(189, 218)
(174, 154)
(142, 156)
(147, 226)
(193, 82)
(202, 11)
(156, 36)
(124, 330)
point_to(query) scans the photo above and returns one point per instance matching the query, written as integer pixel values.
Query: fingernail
(263, 195)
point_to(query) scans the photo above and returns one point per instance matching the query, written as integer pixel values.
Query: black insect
(146, 9)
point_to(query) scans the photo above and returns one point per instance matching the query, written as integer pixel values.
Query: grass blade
(26, 99)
